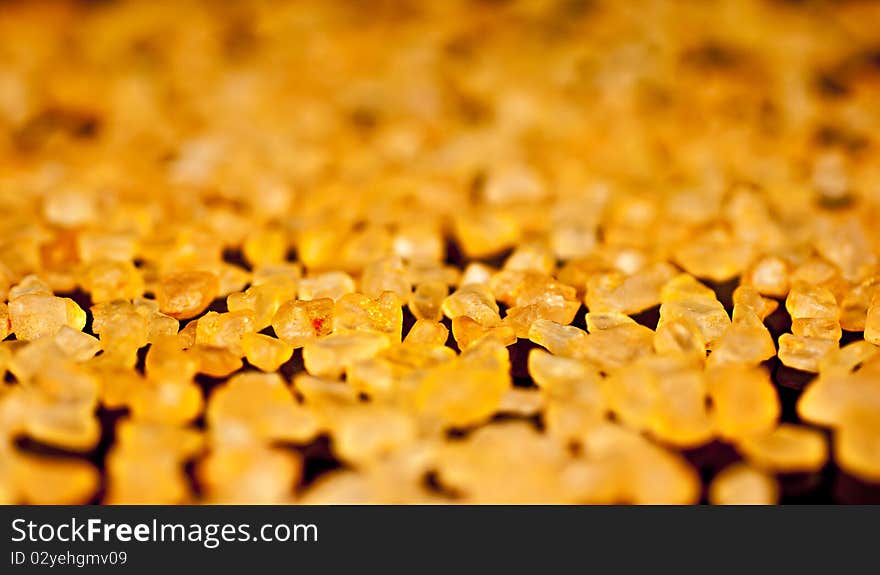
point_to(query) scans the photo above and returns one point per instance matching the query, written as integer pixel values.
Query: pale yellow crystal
(426, 299)
(298, 322)
(504, 463)
(184, 295)
(225, 329)
(739, 484)
(265, 246)
(34, 315)
(258, 407)
(857, 442)
(468, 332)
(788, 448)
(359, 312)
(468, 390)
(263, 300)
(617, 292)
(45, 481)
(253, 475)
(107, 280)
(684, 297)
(331, 355)
(473, 301)
(744, 401)
(357, 438)
(264, 352)
(426, 332)
(804, 353)
(769, 275)
(485, 232)
(331, 285)
(386, 275)
(564, 340)
(680, 337)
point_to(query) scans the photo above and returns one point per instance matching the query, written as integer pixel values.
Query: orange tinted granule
(466, 252)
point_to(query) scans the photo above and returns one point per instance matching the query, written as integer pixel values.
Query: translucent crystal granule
(551, 256)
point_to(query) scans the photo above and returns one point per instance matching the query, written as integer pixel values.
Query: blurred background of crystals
(315, 251)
